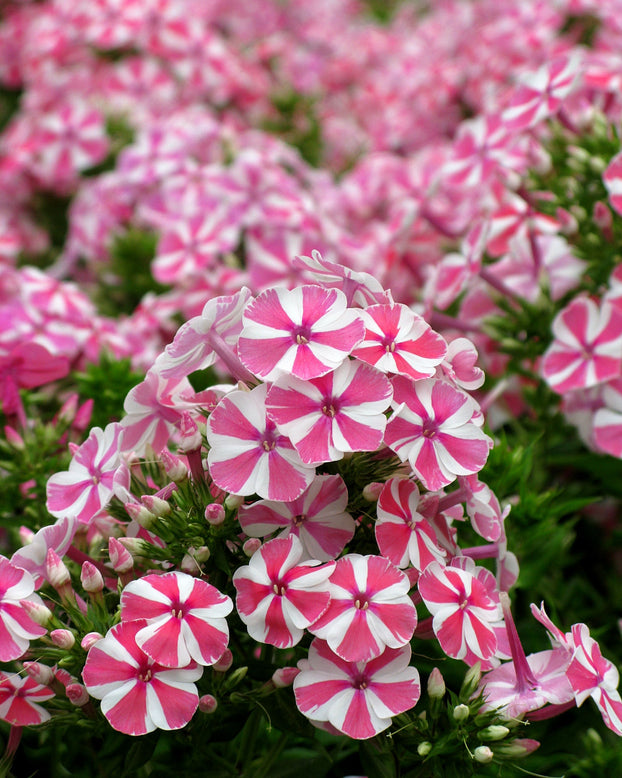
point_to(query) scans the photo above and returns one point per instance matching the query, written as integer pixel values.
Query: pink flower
(612, 178)
(84, 489)
(318, 518)
(17, 628)
(587, 349)
(399, 341)
(307, 332)
(185, 618)
(138, 695)
(369, 608)
(357, 698)
(433, 429)
(460, 366)
(248, 455)
(327, 416)
(278, 595)
(360, 288)
(19, 698)
(463, 610)
(57, 536)
(403, 533)
(607, 421)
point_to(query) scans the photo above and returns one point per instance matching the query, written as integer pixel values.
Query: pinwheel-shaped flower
(17, 629)
(357, 698)
(185, 618)
(306, 332)
(138, 695)
(19, 698)
(369, 608)
(278, 594)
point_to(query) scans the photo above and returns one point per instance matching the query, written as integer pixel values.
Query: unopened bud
(135, 546)
(461, 712)
(483, 755)
(517, 748)
(91, 579)
(493, 732)
(224, 663)
(471, 680)
(40, 673)
(423, 749)
(436, 684)
(215, 514)
(14, 438)
(89, 640)
(191, 438)
(284, 676)
(207, 703)
(56, 571)
(234, 501)
(250, 546)
(602, 216)
(173, 466)
(83, 416)
(68, 409)
(236, 677)
(25, 535)
(371, 492)
(120, 557)
(63, 638)
(156, 505)
(37, 611)
(77, 694)
(140, 514)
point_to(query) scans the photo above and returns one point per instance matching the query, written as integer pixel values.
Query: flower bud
(40, 673)
(56, 571)
(461, 712)
(156, 505)
(83, 416)
(25, 535)
(190, 437)
(224, 663)
(493, 732)
(63, 638)
(424, 748)
(471, 680)
(14, 438)
(63, 676)
(190, 565)
(77, 694)
(173, 466)
(134, 546)
(436, 684)
(517, 748)
(250, 546)
(483, 755)
(208, 703)
(120, 557)
(371, 492)
(215, 514)
(140, 514)
(234, 501)
(284, 676)
(92, 580)
(89, 640)
(68, 409)
(37, 611)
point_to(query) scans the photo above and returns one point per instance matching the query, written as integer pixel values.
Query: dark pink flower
(17, 628)
(19, 698)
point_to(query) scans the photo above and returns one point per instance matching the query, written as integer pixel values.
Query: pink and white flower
(248, 454)
(19, 700)
(357, 698)
(185, 618)
(307, 332)
(369, 608)
(318, 518)
(17, 628)
(279, 595)
(333, 414)
(57, 536)
(433, 428)
(138, 695)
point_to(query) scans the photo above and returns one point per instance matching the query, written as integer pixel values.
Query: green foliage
(296, 122)
(107, 383)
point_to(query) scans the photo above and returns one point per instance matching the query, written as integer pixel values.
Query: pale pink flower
(307, 332)
(607, 420)
(138, 695)
(279, 595)
(369, 608)
(19, 698)
(57, 536)
(338, 412)
(357, 698)
(185, 618)
(612, 178)
(17, 628)
(86, 488)
(403, 532)
(318, 518)
(460, 365)
(248, 455)
(433, 428)
(483, 508)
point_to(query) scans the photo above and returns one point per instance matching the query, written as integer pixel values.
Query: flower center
(299, 519)
(145, 676)
(429, 428)
(330, 407)
(302, 335)
(279, 588)
(361, 601)
(360, 681)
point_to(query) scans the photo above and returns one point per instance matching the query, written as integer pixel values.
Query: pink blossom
(84, 489)
(17, 628)
(607, 420)
(278, 594)
(403, 533)
(307, 331)
(369, 608)
(357, 698)
(327, 416)
(433, 429)
(360, 288)
(19, 698)
(138, 695)
(248, 455)
(460, 365)
(57, 536)
(318, 518)
(185, 618)
(612, 178)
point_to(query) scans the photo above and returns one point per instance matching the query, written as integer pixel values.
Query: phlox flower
(307, 332)
(57, 536)
(587, 348)
(433, 429)
(318, 518)
(460, 365)
(464, 613)
(483, 508)
(137, 694)
(17, 628)
(19, 698)
(357, 698)
(84, 489)
(185, 618)
(369, 608)
(607, 421)
(278, 595)
(327, 416)
(612, 178)
(248, 455)
(403, 533)
(400, 341)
